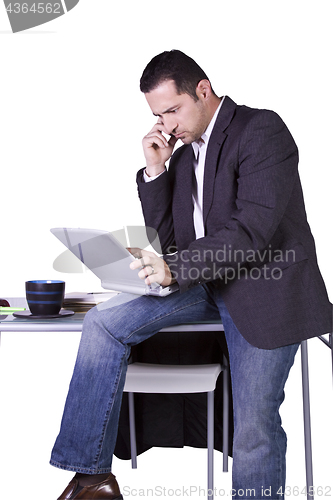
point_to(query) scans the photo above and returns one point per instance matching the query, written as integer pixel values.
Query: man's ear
(204, 89)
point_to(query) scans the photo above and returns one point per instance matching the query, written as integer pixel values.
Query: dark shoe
(105, 490)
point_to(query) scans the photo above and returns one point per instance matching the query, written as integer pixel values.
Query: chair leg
(307, 421)
(210, 443)
(132, 429)
(225, 418)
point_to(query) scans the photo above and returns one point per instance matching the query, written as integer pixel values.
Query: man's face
(178, 114)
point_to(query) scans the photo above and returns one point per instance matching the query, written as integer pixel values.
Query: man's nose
(170, 124)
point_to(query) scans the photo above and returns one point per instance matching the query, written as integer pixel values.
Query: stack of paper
(82, 302)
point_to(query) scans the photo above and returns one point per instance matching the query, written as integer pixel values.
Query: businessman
(230, 217)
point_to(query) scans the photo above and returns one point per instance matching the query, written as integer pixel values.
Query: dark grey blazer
(258, 247)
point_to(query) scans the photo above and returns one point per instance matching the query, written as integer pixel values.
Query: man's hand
(157, 149)
(153, 268)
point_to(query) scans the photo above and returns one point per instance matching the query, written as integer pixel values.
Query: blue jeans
(89, 425)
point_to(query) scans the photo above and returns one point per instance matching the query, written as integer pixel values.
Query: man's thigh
(131, 319)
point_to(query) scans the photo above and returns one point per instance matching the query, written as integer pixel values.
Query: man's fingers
(155, 278)
(136, 252)
(172, 141)
(156, 140)
(153, 269)
(150, 270)
(142, 260)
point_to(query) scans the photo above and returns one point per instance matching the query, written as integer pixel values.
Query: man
(230, 216)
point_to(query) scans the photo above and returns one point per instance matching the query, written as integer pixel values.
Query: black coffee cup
(45, 297)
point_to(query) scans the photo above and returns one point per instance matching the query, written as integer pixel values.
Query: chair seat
(171, 379)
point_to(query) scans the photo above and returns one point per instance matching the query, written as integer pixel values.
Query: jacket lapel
(215, 144)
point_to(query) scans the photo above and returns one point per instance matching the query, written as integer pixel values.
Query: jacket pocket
(284, 259)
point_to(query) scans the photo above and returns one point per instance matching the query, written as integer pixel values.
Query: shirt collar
(206, 135)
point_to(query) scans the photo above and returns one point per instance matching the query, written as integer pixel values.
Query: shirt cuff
(146, 177)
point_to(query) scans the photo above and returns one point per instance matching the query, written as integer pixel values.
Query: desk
(11, 324)
(182, 416)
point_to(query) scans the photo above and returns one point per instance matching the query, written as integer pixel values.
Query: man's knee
(91, 317)
(100, 321)
(94, 323)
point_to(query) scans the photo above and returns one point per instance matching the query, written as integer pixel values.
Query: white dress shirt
(200, 149)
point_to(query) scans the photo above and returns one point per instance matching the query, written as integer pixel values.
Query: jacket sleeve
(156, 202)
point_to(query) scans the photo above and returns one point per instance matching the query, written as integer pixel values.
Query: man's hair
(173, 65)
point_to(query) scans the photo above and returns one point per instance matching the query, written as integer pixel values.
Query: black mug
(45, 297)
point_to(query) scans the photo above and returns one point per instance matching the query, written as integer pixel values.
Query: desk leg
(307, 421)
(225, 420)
(331, 346)
(330, 338)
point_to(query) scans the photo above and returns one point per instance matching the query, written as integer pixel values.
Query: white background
(71, 123)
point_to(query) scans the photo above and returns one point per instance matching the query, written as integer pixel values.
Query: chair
(179, 379)
(154, 379)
